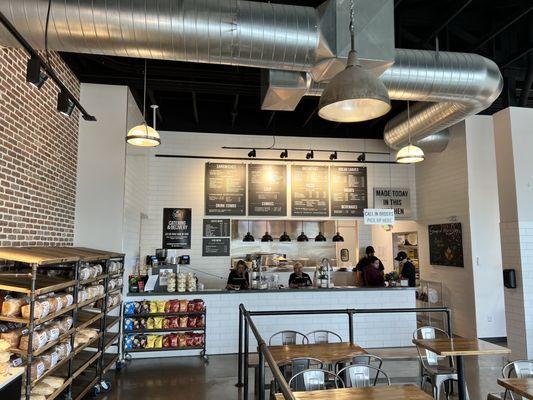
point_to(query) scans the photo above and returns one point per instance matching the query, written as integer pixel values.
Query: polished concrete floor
(191, 379)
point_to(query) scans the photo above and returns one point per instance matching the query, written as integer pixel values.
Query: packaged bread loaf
(64, 324)
(82, 296)
(40, 338)
(49, 359)
(36, 397)
(56, 303)
(37, 369)
(12, 337)
(84, 273)
(52, 331)
(42, 389)
(67, 300)
(53, 381)
(12, 307)
(40, 310)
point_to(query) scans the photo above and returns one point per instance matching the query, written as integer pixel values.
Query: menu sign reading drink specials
(348, 191)
(225, 189)
(267, 190)
(310, 194)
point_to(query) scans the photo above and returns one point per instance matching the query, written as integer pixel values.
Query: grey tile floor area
(191, 379)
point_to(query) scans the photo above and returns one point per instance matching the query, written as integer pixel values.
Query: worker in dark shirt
(299, 278)
(363, 262)
(238, 277)
(407, 269)
(373, 276)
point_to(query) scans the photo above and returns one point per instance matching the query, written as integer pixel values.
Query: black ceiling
(226, 99)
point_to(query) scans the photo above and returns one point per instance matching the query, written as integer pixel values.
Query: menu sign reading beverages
(267, 190)
(176, 228)
(348, 191)
(215, 247)
(225, 189)
(216, 228)
(309, 188)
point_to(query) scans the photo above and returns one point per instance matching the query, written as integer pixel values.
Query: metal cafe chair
(295, 366)
(323, 336)
(315, 379)
(433, 372)
(360, 375)
(364, 359)
(517, 369)
(288, 337)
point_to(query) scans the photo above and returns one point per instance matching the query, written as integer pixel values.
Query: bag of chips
(128, 324)
(153, 307)
(174, 323)
(145, 307)
(150, 323)
(158, 323)
(191, 322)
(150, 341)
(166, 323)
(174, 340)
(183, 321)
(129, 308)
(175, 307)
(184, 304)
(200, 321)
(161, 306)
(138, 307)
(182, 340)
(158, 342)
(128, 342)
(166, 341)
(189, 339)
(198, 305)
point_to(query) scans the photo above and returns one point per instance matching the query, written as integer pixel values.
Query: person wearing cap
(407, 269)
(363, 262)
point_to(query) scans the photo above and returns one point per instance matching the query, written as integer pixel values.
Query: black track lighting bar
(273, 159)
(306, 150)
(47, 68)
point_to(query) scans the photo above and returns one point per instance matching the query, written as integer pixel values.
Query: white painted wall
(484, 227)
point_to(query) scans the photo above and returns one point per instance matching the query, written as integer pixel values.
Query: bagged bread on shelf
(12, 337)
(64, 324)
(52, 331)
(43, 389)
(37, 369)
(35, 397)
(40, 310)
(54, 381)
(61, 350)
(67, 300)
(12, 307)
(56, 304)
(68, 346)
(98, 269)
(91, 333)
(49, 359)
(84, 273)
(40, 338)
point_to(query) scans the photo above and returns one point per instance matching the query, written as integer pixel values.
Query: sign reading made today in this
(399, 199)
(379, 216)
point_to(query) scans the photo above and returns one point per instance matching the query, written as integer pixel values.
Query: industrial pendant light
(248, 237)
(302, 237)
(409, 154)
(337, 237)
(285, 237)
(144, 135)
(320, 237)
(266, 237)
(354, 94)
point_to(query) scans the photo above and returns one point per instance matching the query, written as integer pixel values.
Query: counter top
(284, 290)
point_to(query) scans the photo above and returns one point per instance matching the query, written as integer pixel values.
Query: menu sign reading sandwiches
(267, 190)
(309, 191)
(225, 189)
(348, 191)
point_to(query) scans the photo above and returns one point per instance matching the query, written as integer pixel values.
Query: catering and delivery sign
(399, 199)
(177, 228)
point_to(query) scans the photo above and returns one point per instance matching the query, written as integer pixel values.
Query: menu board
(446, 245)
(216, 228)
(267, 190)
(348, 191)
(215, 247)
(309, 191)
(176, 228)
(225, 189)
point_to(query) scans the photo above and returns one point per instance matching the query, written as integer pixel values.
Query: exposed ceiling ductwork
(309, 45)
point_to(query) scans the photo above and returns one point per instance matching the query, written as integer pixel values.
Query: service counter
(370, 330)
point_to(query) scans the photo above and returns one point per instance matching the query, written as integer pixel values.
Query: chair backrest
(323, 336)
(297, 365)
(517, 369)
(428, 332)
(360, 375)
(315, 379)
(288, 337)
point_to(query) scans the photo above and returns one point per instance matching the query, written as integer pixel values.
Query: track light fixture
(333, 156)
(284, 154)
(361, 157)
(65, 106)
(252, 153)
(310, 155)
(34, 75)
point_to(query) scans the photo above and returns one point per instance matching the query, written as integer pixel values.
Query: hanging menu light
(267, 190)
(225, 189)
(348, 190)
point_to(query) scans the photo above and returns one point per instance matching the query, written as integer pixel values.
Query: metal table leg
(461, 383)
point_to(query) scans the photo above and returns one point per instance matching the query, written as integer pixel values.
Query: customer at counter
(372, 273)
(299, 278)
(238, 277)
(363, 262)
(407, 269)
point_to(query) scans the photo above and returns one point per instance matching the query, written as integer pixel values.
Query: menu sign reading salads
(225, 189)
(267, 190)
(310, 191)
(348, 191)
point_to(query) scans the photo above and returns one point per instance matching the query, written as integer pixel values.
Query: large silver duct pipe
(449, 87)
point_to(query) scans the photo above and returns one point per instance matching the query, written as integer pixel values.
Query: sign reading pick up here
(379, 216)
(399, 199)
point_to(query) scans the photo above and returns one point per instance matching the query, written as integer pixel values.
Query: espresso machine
(323, 275)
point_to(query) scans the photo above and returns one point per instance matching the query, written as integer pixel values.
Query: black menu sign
(267, 190)
(348, 191)
(225, 189)
(176, 228)
(216, 228)
(215, 247)
(309, 189)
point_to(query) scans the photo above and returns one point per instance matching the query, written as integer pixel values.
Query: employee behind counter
(299, 278)
(238, 277)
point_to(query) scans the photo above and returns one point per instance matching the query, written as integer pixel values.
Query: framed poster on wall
(177, 228)
(446, 245)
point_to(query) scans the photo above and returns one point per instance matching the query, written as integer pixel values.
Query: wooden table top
(460, 347)
(523, 387)
(327, 352)
(394, 392)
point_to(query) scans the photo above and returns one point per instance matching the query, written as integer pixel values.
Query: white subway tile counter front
(370, 330)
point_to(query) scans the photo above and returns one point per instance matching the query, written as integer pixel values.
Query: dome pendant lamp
(285, 237)
(302, 237)
(267, 237)
(409, 154)
(248, 237)
(354, 94)
(144, 135)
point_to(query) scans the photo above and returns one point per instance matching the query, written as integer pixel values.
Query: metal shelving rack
(83, 369)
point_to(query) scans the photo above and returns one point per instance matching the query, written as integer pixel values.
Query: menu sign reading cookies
(309, 191)
(225, 189)
(348, 191)
(267, 190)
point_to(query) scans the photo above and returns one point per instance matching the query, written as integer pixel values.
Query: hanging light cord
(408, 123)
(144, 93)
(46, 32)
(352, 24)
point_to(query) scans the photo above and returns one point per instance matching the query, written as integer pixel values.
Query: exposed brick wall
(38, 152)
